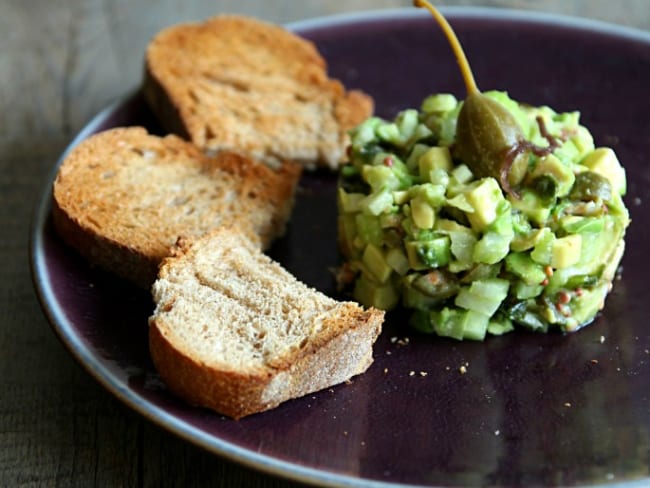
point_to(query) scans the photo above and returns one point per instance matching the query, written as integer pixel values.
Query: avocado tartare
(470, 254)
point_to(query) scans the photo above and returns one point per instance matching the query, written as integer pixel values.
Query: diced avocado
(484, 198)
(565, 251)
(400, 197)
(422, 213)
(583, 142)
(597, 252)
(435, 157)
(483, 296)
(350, 202)
(521, 265)
(604, 162)
(370, 294)
(397, 260)
(375, 261)
(562, 173)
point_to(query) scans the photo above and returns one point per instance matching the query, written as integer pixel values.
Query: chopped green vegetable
(469, 258)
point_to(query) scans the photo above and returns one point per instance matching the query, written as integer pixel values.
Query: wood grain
(61, 61)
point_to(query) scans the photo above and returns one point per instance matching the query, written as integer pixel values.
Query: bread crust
(339, 349)
(123, 197)
(233, 82)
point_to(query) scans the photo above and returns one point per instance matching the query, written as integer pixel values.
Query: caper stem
(465, 69)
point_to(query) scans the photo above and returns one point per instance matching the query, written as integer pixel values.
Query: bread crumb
(567, 404)
(385, 370)
(497, 432)
(393, 340)
(462, 369)
(412, 373)
(594, 361)
(423, 373)
(345, 432)
(602, 339)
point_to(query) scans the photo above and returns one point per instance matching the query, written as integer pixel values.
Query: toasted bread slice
(123, 197)
(236, 83)
(235, 332)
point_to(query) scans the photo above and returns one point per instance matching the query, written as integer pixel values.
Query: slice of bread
(123, 197)
(235, 332)
(236, 83)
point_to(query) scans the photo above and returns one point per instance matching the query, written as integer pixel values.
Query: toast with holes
(236, 83)
(235, 332)
(123, 197)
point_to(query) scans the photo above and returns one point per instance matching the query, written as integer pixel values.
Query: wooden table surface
(61, 61)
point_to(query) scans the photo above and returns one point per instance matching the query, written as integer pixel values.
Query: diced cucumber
(483, 296)
(376, 203)
(460, 324)
(578, 225)
(369, 229)
(491, 248)
(499, 325)
(542, 251)
(523, 266)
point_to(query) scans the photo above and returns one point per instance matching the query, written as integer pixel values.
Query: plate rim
(264, 463)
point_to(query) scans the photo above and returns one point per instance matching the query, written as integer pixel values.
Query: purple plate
(540, 410)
